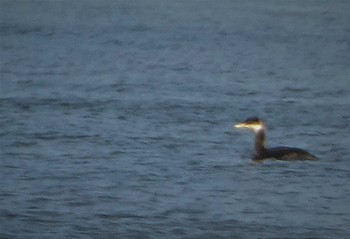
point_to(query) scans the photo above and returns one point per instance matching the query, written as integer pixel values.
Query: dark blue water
(116, 118)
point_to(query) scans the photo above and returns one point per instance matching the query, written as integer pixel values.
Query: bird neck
(260, 141)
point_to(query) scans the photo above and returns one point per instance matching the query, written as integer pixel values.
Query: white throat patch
(256, 127)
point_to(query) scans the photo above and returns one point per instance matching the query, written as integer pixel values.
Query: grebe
(261, 152)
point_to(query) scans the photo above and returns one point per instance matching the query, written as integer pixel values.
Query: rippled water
(116, 119)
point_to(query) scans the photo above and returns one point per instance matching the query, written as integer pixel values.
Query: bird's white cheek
(257, 128)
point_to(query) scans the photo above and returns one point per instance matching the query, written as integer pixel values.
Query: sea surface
(116, 118)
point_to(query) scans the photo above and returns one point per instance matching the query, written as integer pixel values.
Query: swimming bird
(280, 153)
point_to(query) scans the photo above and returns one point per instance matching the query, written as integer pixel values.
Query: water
(116, 119)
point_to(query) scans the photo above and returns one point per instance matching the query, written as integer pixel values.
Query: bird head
(253, 123)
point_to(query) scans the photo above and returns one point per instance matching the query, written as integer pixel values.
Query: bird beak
(241, 125)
